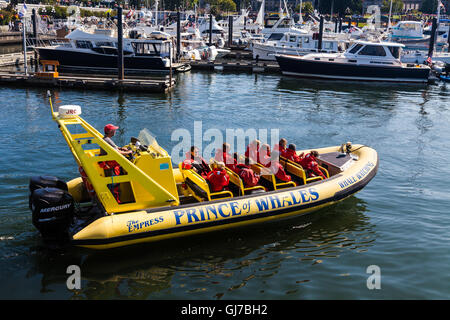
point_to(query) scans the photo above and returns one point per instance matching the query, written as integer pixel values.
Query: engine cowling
(52, 212)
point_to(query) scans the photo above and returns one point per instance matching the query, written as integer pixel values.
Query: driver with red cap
(111, 167)
(110, 131)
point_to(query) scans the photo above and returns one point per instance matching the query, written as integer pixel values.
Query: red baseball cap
(109, 127)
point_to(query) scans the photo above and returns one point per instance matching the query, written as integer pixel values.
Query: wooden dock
(237, 66)
(162, 85)
(14, 59)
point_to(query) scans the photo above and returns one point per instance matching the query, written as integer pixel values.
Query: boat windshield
(148, 139)
(395, 51)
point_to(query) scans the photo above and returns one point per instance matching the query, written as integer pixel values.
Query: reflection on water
(213, 265)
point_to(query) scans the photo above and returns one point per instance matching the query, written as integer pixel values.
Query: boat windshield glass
(143, 48)
(104, 44)
(395, 51)
(373, 51)
(146, 138)
(83, 44)
(355, 48)
(275, 36)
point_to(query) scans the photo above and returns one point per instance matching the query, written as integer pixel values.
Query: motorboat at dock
(363, 61)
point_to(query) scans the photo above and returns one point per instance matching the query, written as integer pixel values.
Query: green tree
(340, 6)
(397, 6)
(307, 7)
(429, 6)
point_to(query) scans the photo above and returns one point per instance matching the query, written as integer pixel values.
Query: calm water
(399, 222)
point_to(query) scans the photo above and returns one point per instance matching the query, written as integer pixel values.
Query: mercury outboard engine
(52, 206)
(38, 182)
(52, 212)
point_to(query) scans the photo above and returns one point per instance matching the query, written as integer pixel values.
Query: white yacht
(298, 43)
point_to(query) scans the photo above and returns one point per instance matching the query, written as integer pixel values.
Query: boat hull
(171, 222)
(344, 71)
(77, 60)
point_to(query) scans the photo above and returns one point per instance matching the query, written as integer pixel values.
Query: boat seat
(199, 187)
(237, 184)
(268, 178)
(297, 171)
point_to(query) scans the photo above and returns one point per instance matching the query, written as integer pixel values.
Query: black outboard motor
(38, 182)
(53, 211)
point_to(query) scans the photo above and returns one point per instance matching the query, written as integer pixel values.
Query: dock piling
(230, 31)
(432, 38)
(178, 35)
(210, 29)
(120, 65)
(35, 35)
(319, 45)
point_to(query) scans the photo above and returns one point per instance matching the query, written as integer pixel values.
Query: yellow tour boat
(158, 201)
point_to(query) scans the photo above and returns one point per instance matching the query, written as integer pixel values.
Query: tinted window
(395, 51)
(83, 44)
(275, 36)
(356, 48)
(373, 51)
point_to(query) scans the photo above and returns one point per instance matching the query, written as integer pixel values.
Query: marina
(114, 139)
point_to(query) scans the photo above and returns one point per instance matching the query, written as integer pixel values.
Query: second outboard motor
(53, 211)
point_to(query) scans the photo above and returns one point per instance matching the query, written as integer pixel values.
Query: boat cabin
(383, 50)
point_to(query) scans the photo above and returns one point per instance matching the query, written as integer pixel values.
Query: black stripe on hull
(85, 60)
(349, 71)
(337, 196)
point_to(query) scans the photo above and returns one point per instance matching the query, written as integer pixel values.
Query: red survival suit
(309, 163)
(218, 179)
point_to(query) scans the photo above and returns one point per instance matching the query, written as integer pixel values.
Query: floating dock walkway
(160, 85)
(237, 66)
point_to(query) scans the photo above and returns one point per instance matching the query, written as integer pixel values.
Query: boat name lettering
(134, 225)
(235, 208)
(356, 177)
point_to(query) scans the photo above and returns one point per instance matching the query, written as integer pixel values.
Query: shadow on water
(155, 270)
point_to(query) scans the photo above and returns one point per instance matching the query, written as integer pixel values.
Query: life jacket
(278, 171)
(282, 151)
(309, 163)
(248, 176)
(218, 179)
(291, 155)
